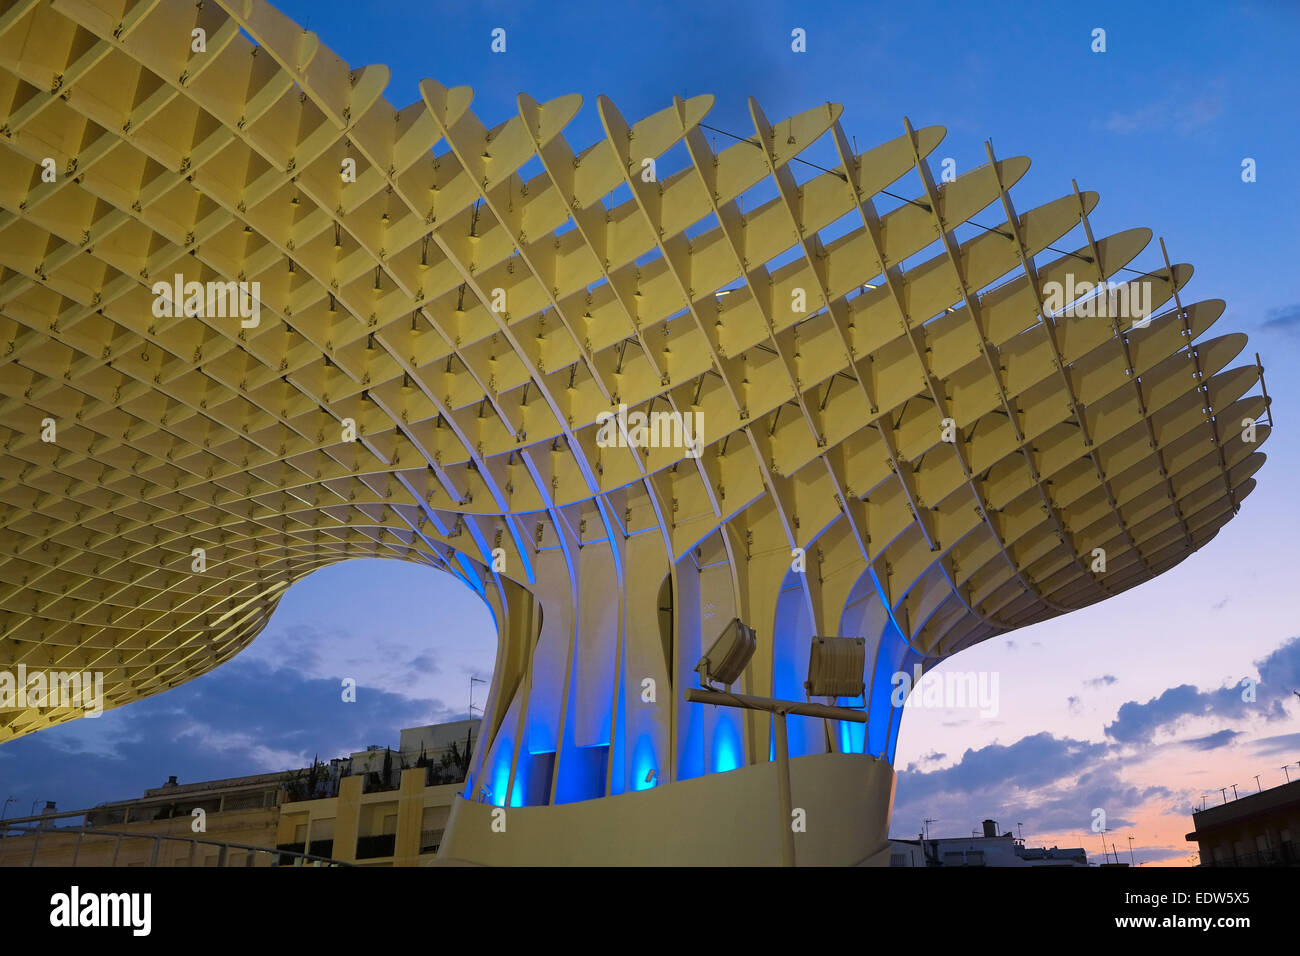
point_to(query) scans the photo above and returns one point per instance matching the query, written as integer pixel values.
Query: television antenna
(472, 682)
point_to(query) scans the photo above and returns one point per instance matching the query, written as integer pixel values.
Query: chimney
(990, 828)
(171, 781)
(49, 809)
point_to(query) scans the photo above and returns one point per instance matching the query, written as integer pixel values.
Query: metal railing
(1285, 854)
(11, 830)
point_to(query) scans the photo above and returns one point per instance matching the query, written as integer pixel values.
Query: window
(372, 847)
(430, 840)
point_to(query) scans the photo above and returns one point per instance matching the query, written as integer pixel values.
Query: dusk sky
(1133, 705)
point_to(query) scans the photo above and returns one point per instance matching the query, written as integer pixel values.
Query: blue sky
(1120, 705)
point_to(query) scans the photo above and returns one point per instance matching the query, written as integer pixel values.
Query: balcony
(1284, 854)
(375, 847)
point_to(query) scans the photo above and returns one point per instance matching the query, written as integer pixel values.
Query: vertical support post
(117, 845)
(76, 849)
(157, 845)
(36, 845)
(221, 856)
(783, 785)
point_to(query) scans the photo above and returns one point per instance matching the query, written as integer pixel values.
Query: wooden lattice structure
(473, 301)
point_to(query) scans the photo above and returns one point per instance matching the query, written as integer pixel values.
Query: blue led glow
(726, 745)
(616, 782)
(789, 664)
(471, 576)
(501, 773)
(643, 761)
(521, 782)
(582, 774)
(853, 737)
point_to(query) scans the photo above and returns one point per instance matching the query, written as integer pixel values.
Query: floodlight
(730, 653)
(836, 666)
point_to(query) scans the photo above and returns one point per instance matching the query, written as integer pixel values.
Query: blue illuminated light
(726, 746)
(501, 775)
(644, 764)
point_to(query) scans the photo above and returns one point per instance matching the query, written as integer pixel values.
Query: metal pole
(783, 785)
(76, 849)
(117, 845)
(799, 708)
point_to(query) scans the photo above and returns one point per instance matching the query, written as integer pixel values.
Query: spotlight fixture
(730, 653)
(836, 666)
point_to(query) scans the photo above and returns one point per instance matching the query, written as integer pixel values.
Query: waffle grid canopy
(472, 301)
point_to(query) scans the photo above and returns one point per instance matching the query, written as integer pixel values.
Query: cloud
(244, 717)
(1213, 741)
(1074, 704)
(1050, 784)
(1285, 744)
(928, 758)
(332, 653)
(424, 664)
(1287, 318)
(1279, 673)
(1030, 762)
(1070, 805)
(1138, 723)
(1176, 115)
(259, 756)
(1104, 680)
